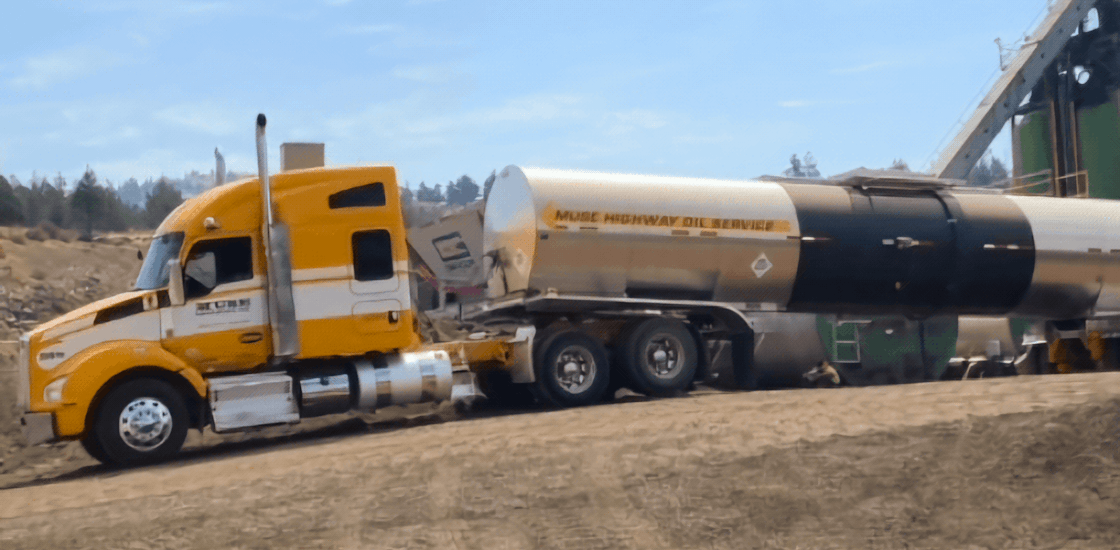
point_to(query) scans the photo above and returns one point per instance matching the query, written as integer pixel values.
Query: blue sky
(442, 88)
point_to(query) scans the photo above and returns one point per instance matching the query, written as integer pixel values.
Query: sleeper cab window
(373, 255)
(371, 194)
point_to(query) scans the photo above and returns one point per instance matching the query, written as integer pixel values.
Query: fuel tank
(856, 246)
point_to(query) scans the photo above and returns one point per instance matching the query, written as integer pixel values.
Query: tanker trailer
(637, 263)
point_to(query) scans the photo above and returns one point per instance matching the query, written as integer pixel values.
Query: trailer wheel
(572, 369)
(138, 422)
(659, 356)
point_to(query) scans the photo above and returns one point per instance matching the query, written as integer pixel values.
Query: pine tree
(489, 184)
(11, 210)
(54, 201)
(161, 201)
(86, 200)
(428, 194)
(463, 191)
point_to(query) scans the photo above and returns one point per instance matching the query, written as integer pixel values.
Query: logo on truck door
(222, 306)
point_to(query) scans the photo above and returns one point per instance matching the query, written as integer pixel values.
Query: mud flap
(742, 360)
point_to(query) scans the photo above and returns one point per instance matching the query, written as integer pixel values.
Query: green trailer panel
(888, 350)
(1100, 141)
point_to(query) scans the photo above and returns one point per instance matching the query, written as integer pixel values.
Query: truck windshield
(154, 274)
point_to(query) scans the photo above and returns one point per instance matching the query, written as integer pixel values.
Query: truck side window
(233, 261)
(373, 255)
(372, 194)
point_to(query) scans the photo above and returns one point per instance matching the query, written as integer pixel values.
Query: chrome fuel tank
(640, 236)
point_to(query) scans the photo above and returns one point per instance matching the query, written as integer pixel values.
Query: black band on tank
(995, 250)
(908, 252)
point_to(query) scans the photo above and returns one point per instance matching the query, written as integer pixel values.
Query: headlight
(53, 392)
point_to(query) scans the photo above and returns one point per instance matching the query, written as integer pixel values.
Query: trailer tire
(140, 422)
(572, 369)
(659, 356)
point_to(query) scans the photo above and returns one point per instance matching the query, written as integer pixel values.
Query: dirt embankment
(40, 280)
(1028, 462)
(1031, 462)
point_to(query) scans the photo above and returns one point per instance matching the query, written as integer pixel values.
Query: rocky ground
(1028, 462)
(38, 281)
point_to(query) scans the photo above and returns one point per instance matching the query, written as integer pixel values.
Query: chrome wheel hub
(145, 424)
(663, 356)
(574, 369)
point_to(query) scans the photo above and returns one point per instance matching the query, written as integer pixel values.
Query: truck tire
(659, 356)
(93, 447)
(139, 422)
(572, 369)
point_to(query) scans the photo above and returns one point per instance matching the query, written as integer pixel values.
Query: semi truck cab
(194, 343)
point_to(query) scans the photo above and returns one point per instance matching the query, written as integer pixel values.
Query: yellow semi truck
(273, 299)
(237, 320)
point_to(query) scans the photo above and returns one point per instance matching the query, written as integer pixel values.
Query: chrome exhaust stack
(278, 250)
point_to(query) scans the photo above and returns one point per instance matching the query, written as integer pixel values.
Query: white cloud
(202, 117)
(63, 65)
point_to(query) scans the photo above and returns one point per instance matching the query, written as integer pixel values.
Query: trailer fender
(521, 371)
(92, 370)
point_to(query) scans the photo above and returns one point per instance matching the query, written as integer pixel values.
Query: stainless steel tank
(860, 245)
(640, 236)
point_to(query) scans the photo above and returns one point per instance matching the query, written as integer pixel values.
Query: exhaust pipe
(278, 251)
(219, 169)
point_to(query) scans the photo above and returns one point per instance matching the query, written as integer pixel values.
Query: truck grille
(23, 374)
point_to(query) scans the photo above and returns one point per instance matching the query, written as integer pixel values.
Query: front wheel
(572, 369)
(139, 422)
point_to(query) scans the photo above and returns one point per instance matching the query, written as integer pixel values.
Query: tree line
(86, 205)
(460, 192)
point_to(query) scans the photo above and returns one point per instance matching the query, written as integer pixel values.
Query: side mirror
(203, 269)
(139, 255)
(175, 282)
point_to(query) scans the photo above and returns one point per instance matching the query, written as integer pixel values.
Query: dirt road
(1021, 462)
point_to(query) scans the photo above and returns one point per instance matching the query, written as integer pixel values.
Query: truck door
(223, 324)
(378, 289)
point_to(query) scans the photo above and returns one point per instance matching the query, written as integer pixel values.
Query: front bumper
(38, 428)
